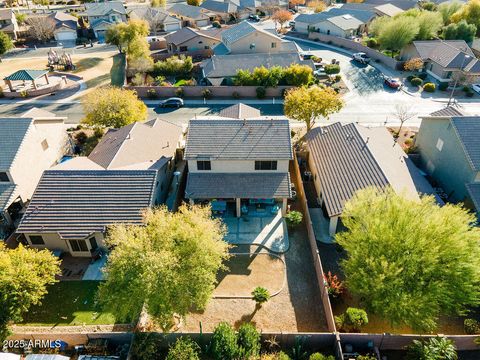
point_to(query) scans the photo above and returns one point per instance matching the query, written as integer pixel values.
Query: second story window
(265, 165)
(4, 177)
(204, 165)
(274, 45)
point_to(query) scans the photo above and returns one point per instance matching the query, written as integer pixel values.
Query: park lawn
(117, 72)
(69, 303)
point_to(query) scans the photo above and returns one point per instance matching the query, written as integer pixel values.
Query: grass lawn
(117, 73)
(69, 303)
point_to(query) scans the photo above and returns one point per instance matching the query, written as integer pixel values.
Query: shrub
(416, 81)
(283, 356)
(152, 94)
(367, 357)
(175, 65)
(332, 69)
(138, 79)
(261, 92)
(334, 284)
(81, 137)
(429, 87)
(207, 94)
(184, 349)
(410, 77)
(318, 356)
(260, 295)
(338, 77)
(294, 218)
(443, 86)
(352, 320)
(248, 340)
(216, 24)
(180, 92)
(372, 43)
(471, 326)
(236, 95)
(224, 342)
(23, 93)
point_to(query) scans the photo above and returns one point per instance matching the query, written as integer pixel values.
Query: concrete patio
(269, 231)
(94, 270)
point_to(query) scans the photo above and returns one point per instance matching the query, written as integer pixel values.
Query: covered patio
(29, 79)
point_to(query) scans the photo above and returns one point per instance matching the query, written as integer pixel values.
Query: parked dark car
(171, 102)
(253, 17)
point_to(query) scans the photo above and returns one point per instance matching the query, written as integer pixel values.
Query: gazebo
(26, 75)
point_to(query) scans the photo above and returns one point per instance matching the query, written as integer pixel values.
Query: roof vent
(347, 16)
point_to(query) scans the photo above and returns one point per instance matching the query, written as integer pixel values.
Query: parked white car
(476, 88)
(361, 57)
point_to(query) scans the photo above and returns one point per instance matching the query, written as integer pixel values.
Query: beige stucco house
(189, 39)
(30, 144)
(193, 16)
(128, 171)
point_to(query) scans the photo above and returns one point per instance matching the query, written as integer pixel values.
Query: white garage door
(66, 35)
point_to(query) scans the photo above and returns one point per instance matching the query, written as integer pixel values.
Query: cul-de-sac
(240, 180)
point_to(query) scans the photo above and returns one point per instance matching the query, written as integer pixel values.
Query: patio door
(93, 243)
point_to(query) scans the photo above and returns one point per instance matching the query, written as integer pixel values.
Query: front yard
(69, 303)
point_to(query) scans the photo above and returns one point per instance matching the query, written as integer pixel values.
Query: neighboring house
(193, 16)
(104, 14)
(128, 171)
(388, 9)
(221, 69)
(247, 38)
(444, 60)
(30, 144)
(401, 4)
(189, 39)
(65, 26)
(476, 47)
(337, 21)
(239, 161)
(240, 111)
(450, 153)
(226, 10)
(346, 158)
(8, 23)
(158, 19)
(384, 9)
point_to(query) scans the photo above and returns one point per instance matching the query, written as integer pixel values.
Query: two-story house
(239, 161)
(104, 14)
(75, 202)
(30, 144)
(8, 23)
(450, 153)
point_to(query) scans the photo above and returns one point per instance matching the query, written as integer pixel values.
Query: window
(36, 240)
(204, 165)
(93, 243)
(44, 144)
(4, 177)
(183, 48)
(265, 165)
(78, 245)
(439, 144)
(274, 45)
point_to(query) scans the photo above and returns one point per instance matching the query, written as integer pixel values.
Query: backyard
(69, 303)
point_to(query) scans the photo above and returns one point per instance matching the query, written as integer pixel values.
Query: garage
(65, 35)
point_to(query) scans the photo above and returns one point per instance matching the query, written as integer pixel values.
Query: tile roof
(237, 185)
(192, 12)
(453, 54)
(228, 65)
(350, 157)
(240, 111)
(104, 8)
(12, 134)
(362, 15)
(238, 139)
(6, 194)
(76, 203)
(26, 75)
(137, 143)
(448, 111)
(219, 6)
(474, 192)
(467, 129)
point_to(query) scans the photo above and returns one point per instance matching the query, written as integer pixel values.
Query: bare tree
(41, 28)
(155, 18)
(403, 113)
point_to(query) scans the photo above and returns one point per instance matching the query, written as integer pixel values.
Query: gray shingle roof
(27, 75)
(238, 31)
(12, 133)
(345, 22)
(6, 192)
(76, 203)
(474, 192)
(219, 6)
(62, 19)
(192, 12)
(344, 164)
(467, 129)
(448, 111)
(103, 8)
(238, 139)
(240, 111)
(228, 65)
(362, 15)
(238, 185)
(184, 34)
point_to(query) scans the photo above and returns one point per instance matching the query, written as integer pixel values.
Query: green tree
(395, 33)
(25, 274)
(410, 260)
(298, 75)
(308, 104)
(460, 31)
(194, 2)
(436, 348)
(112, 107)
(5, 43)
(168, 266)
(249, 341)
(470, 12)
(429, 24)
(260, 295)
(447, 9)
(184, 349)
(127, 37)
